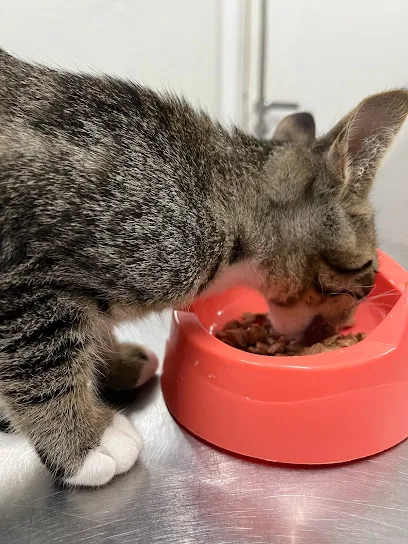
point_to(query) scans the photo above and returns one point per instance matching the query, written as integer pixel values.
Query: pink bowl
(325, 408)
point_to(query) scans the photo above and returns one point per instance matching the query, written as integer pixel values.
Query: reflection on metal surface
(183, 491)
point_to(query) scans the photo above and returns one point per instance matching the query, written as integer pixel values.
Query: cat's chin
(243, 273)
(291, 322)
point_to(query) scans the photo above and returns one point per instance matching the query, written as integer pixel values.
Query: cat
(117, 201)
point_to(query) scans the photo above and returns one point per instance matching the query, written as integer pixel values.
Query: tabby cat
(116, 201)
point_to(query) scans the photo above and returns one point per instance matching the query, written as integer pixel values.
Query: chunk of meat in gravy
(254, 333)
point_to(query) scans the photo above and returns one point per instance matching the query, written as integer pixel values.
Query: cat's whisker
(380, 304)
(321, 285)
(391, 292)
(371, 286)
(349, 294)
(378, 310)
(346, 290)
(381, 295)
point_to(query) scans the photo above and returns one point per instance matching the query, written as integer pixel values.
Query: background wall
(165, 44)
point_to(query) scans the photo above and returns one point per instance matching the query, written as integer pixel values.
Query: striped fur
(116, 202)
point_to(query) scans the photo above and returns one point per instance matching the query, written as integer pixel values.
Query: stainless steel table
(183, 491)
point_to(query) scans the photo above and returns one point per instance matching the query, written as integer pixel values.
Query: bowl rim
(380, 342)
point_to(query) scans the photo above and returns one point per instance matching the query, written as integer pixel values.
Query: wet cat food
(254, 333)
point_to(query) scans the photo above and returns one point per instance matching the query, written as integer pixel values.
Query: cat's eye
(338, 293)
(358, 270)
(350, 271)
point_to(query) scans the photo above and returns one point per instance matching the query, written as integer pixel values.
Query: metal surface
(183, 491)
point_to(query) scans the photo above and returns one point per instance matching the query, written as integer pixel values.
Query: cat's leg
(48, 363)
(127, 366)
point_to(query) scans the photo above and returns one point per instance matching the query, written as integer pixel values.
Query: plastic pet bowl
(326, 408)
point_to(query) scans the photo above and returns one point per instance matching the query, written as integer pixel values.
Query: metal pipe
(263, 105)
(260, 128)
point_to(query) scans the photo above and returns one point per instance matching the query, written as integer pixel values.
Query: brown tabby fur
(118, 201)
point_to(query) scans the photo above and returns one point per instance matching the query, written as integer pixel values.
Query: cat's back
(23, 87)
(59, 102)
(144, 136)
(54, 121)
(11, 73)
(86, 110)
(66, 134)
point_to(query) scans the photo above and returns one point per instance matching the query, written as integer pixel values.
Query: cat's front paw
(118, 451)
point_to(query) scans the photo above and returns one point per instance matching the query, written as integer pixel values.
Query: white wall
(329, 55)
(165, 44)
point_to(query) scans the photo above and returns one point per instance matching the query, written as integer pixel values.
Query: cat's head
(324, 258)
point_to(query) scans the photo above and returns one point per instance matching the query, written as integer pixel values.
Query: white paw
(118, 451)
(149, 368)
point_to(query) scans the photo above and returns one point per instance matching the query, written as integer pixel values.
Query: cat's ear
(298, 127)
(357, 144)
